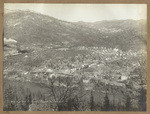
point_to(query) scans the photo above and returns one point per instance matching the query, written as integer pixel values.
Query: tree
(142, 77)
(106, 106)
(64, 93)
(72, 104)
(128, 104)
(142, 99)
(61, 90)
(11, 107)
(30, 98)
(9, 96)
(92, 102)
(28, 101)
(69, 104)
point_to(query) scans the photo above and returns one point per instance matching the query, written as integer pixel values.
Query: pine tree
(8, 98)
(142, 96)
(12, 107)
(28, 101)
(142, 99)
(92, 102)
(69, 104)
(106, 106)
(30, 98)
(128, 105)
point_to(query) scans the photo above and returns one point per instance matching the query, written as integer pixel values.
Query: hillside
(33, 28)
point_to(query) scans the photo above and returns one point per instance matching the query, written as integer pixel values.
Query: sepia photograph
(74, 57)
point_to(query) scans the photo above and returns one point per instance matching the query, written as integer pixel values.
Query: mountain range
(30, 28)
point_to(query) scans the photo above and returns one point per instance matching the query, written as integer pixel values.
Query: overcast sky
(85, 12)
